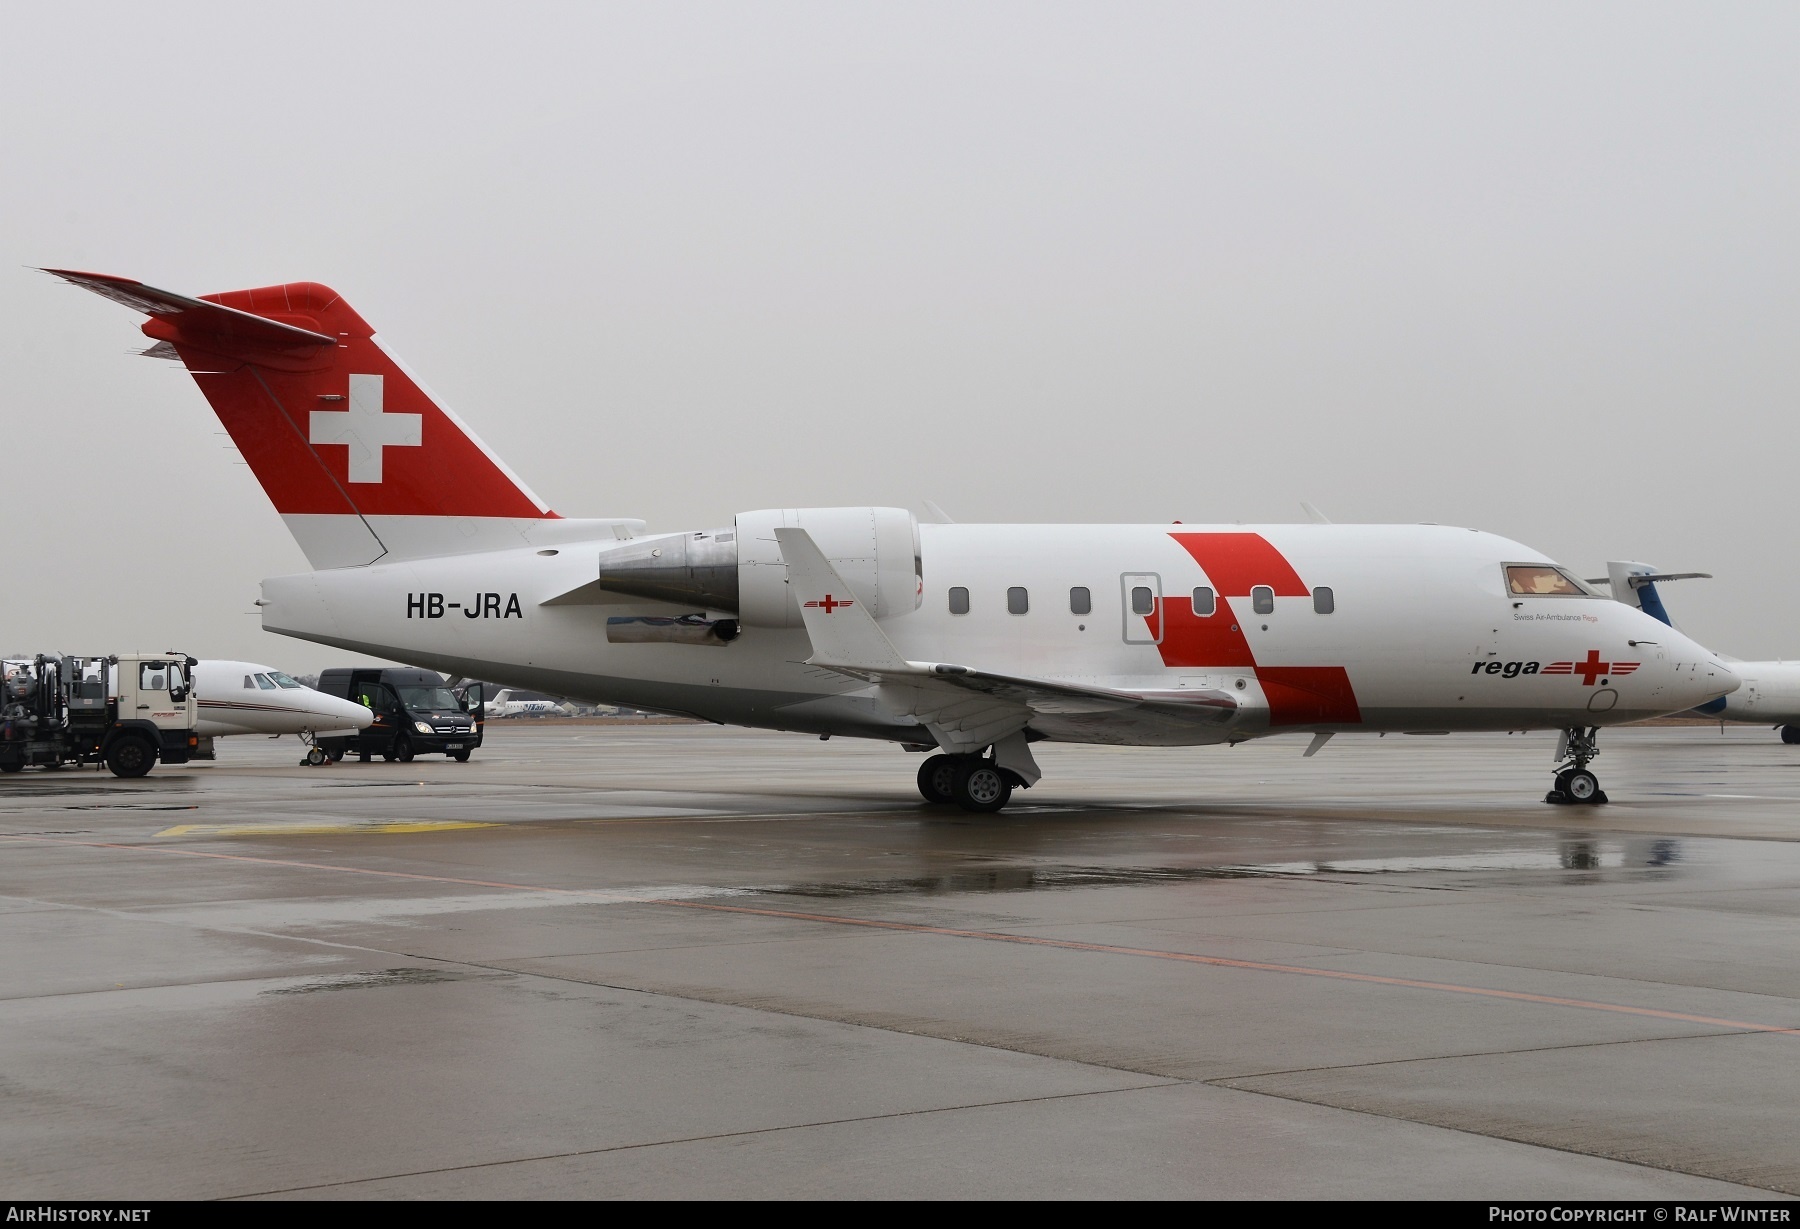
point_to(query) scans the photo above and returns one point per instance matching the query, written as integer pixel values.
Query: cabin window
(959, 600)
(1204, 602)
(1541, 580)
(1323, 601)
(1017, 600)
(1080, 600)
(1262, 600)
(153, 676)
(265, 682)
(1142, 601)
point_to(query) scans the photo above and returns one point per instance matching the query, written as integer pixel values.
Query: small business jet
(241, 697)
(976, 642)
(1768, 692)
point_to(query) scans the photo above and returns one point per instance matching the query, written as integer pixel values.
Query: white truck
(128, 712)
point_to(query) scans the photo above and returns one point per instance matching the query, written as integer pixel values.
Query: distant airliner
(975, 641)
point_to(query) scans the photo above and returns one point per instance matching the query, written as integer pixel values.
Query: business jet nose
(344, 714)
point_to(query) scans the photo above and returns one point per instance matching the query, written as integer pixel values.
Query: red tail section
(330, 423)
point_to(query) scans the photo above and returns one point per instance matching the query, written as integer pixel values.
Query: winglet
(844, 633)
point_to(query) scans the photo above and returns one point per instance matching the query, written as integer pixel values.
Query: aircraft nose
(348, 711)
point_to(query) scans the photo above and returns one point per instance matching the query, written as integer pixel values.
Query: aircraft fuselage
(1419, 632)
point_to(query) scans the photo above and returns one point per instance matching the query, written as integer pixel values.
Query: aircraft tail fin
(360, 459)
(1635, 585)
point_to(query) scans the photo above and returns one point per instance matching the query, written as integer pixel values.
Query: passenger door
(1140, 594)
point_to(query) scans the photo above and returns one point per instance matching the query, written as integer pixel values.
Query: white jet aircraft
(241, 697)
(1768, 692)
(511, 702)
(974, 641)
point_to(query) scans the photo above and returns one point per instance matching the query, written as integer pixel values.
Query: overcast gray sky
(1530, 268)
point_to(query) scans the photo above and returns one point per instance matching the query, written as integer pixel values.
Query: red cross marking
(1592, 668)
(831, 603)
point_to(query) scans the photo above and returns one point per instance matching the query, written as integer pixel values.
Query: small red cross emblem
(1592, 668)
(831, 603)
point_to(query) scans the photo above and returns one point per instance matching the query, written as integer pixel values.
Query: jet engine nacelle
(875, 550)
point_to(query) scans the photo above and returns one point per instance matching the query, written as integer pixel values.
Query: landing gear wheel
(982, 786)
(1580, 785)
(131, 757)
(1790, 734)
(316, 756)
(937, 780)
(1575, 785)
(403, 749)
(461, 757)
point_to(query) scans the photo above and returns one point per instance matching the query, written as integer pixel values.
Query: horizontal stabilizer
(196, 319)
(1634, 584)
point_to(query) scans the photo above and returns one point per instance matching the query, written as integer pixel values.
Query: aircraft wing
(966, 709)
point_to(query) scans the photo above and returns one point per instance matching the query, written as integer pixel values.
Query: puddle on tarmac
(1019, 879)
(130, 806)
(1568, 855)
(372, 981)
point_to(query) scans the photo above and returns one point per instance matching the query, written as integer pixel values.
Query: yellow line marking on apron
(303, 829)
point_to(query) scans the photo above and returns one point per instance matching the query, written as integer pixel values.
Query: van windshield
(428, 697)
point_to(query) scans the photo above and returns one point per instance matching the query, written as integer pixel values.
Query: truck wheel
(403, 750)
(461, 757)
(16, 766)
(131, 757)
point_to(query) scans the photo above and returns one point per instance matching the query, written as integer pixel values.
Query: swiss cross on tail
(365, 430)
(830, 603)
(294, 374)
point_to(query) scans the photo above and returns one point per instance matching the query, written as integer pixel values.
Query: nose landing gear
(1575, 785)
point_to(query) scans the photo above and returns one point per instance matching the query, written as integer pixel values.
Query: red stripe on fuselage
(1309, 695)
(1235, 563)
(1202, 640)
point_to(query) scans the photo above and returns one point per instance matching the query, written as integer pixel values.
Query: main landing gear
(1575, 785)
(972, 782)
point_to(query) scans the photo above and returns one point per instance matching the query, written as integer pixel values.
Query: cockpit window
(282, 680)
(265, 682)
(1541, 580)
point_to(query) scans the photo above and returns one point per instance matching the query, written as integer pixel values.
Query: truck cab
(416, 714)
